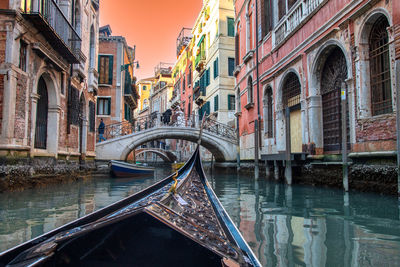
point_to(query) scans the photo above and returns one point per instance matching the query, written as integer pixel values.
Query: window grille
(381, 92)
(73, 106)
(291, 90)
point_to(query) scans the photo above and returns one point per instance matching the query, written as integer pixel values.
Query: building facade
(310, 55)
(118, 96)
(213, 61)
(48, 78)
(144, 87)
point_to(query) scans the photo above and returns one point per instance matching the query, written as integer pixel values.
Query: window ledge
(236, 70)
(105, 85)
(249, 106)
(248, 56)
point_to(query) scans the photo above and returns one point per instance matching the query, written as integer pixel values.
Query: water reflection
(28, 214)
(306, 226)
(285, 226)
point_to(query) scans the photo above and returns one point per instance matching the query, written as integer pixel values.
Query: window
(239, 107)
(106, 69)
(216, 68)
(250, 91)
(231, 27)
(104, 106)
(216, 28)
(145, 103)
(268, 125)
(22, 55)
(144, 87)
(291, 90)
(266, 17)
(183, 84)
(216, 104)
(207, 78)
(62, 83)
(231, 66)
(281, 8)
(74, 106)
(189, 76)
(237, 47)
(92, 116)
(231, 102)
(381, 91)
(128, 112)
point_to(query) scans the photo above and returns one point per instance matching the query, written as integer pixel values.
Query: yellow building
(144, 88)
(162, 89)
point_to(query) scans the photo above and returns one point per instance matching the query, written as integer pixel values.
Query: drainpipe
(397, 70)
(256, 124)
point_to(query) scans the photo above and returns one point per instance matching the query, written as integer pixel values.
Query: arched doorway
(291, 91)
(41, 115)
(334, 74)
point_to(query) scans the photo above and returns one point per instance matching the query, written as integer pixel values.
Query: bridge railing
(158, 120)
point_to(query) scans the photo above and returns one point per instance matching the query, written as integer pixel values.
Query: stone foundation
(19, 174)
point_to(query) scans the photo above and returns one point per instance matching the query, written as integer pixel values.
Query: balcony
(164, 69)
(93, 81)
(296, 17)
(199, 90)
(130, 93)
(200, 60)
(183, 40)
(176, 99)
(50, 21)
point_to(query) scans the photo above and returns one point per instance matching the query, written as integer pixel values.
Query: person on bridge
(101, 130)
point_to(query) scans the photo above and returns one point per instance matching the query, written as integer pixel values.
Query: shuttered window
(73, 106)
(92, 116)
(207, 77)
(216, 71)
(106, 69)
(231, 27)
(231, 66)
(216, 104)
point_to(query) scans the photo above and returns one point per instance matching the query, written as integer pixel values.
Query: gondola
(178, 221)
(125, 169)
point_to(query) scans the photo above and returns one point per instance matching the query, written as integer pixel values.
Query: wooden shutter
(110, 66)
(109, 106)
(216, 104)
(208, 77)
(231, 27)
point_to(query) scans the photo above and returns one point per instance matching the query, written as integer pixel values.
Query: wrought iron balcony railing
(48, 18)
(184, 38)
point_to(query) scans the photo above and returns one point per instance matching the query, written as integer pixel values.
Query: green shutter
(110, 73)
(231, 27)
(208, 76)
(216, 104)
(229, 102)
(207, 108)
(216, 67)
(109, 106)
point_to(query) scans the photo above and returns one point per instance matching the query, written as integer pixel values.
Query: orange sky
(151, 25)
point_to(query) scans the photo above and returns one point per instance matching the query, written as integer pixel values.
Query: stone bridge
(122, 139)
(165, 155)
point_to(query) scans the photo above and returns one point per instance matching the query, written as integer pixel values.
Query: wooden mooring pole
(344, 138)
(397, 71)
(288, 165)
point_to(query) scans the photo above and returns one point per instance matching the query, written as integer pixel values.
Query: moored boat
(124, 169)
(177, 222)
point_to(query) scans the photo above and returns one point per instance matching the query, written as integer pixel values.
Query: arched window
(238, 106)
(41, 115)
(237, 46)
(250, 90)
(268, 112)
(381, 91)
(291, 90)
(250, 26)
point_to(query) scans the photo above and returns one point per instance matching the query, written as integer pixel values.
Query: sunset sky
(151, 25)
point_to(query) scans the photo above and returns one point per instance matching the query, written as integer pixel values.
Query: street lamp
(125, 66)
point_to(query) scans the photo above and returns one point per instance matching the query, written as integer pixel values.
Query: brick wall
(376, 134)
(20, 110)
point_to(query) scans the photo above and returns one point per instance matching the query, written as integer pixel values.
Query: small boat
(124, 169)
(178, 221)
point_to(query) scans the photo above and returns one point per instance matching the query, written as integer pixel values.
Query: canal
(285, 226)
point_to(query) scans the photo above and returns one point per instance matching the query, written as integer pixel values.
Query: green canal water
(285, 226)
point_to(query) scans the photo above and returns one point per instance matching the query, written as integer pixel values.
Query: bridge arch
(223, 149)
(167, 156)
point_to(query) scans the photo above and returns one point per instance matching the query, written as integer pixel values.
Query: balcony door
(41, 116)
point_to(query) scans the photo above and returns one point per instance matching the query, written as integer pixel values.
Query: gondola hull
(176, 222)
